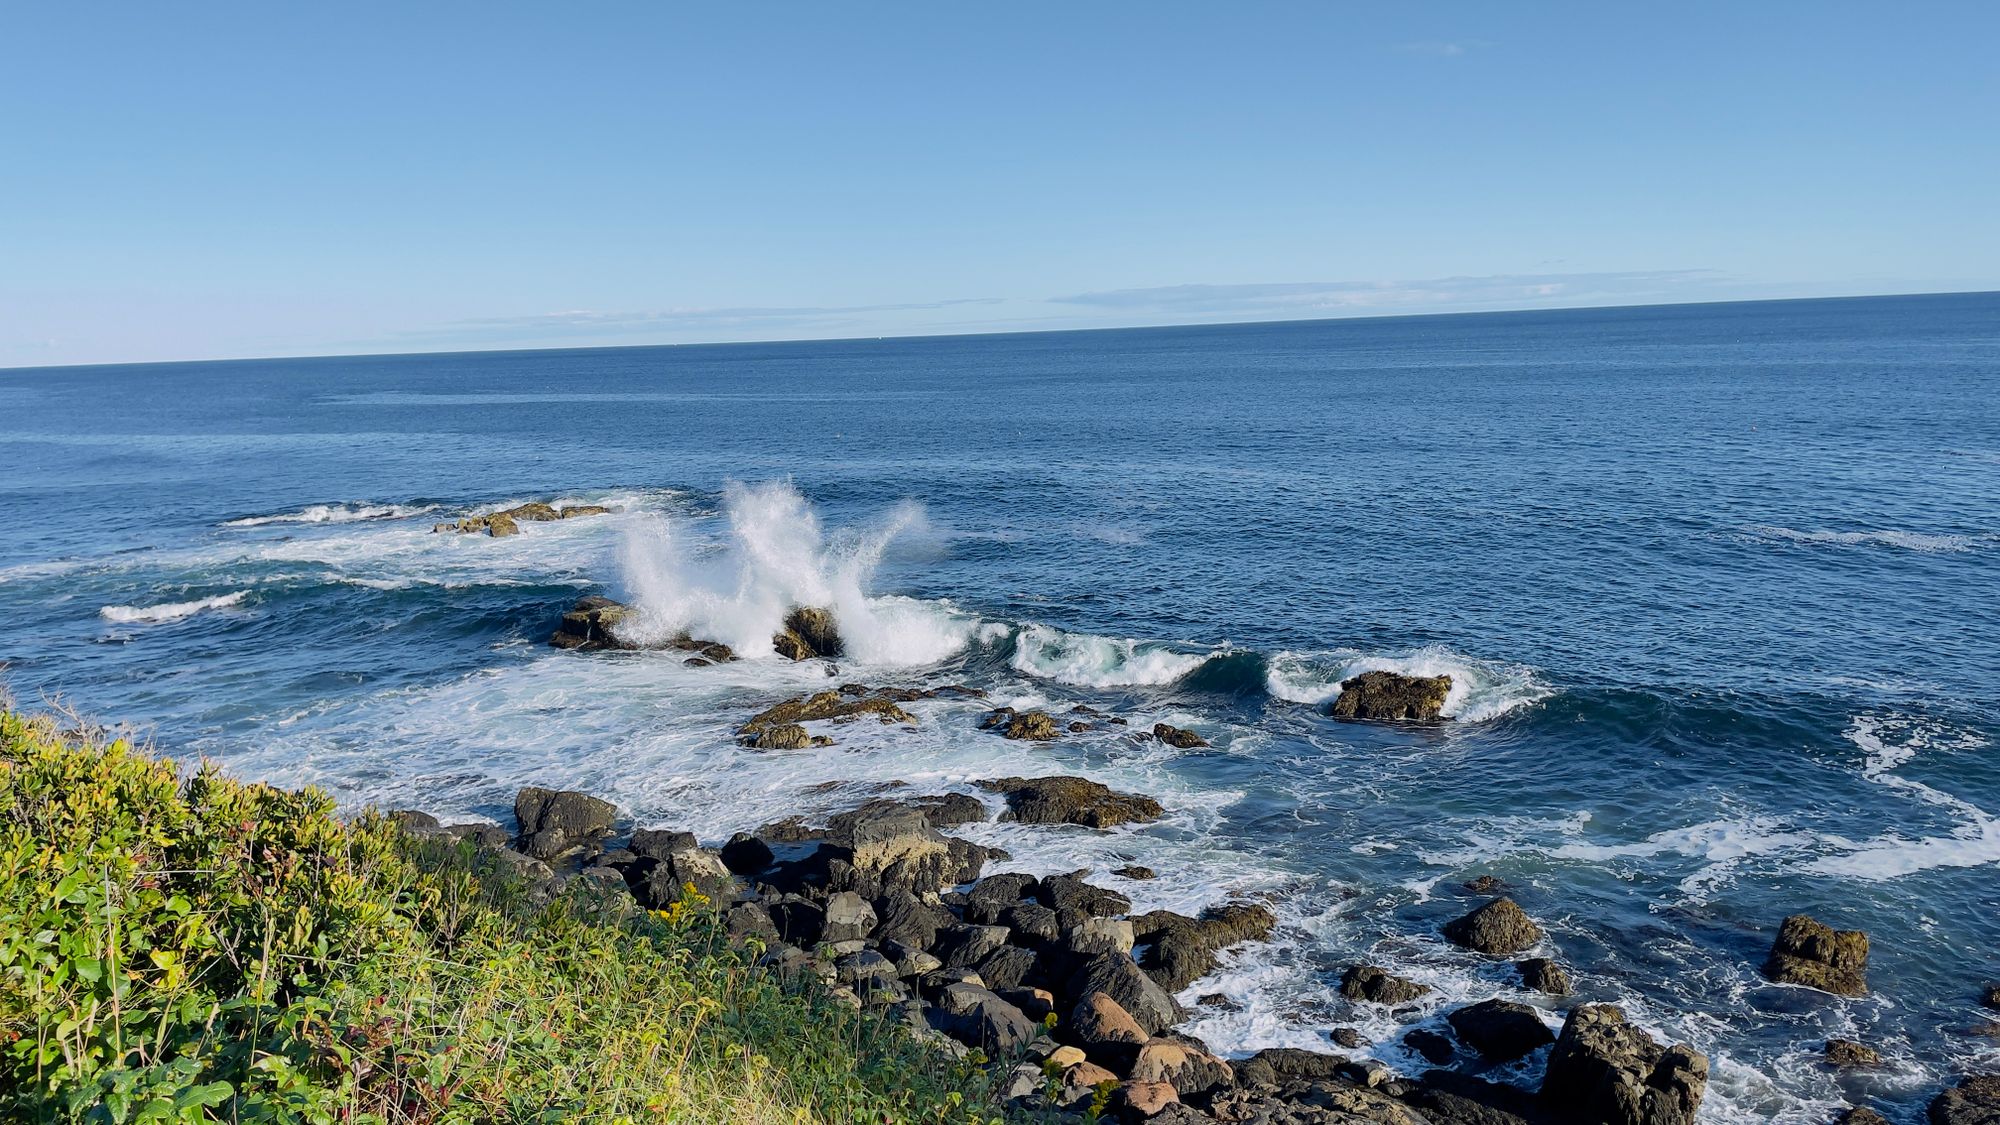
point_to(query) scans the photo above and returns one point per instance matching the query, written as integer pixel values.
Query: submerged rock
(1603, 1069)
(1070, 800)
(1814, 954)
(821, 706)
(1846, 1053)
(1377, 985)
(1038, 726)
(1392, 696)
(1178, 738)
(507, 522)
(1499, 929)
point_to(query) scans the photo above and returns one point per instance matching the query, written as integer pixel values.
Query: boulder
(1070, 800)
(965, 945)
(507, 522)
(1435, 1047)
(1104, 1029)
(867, 972)
(1499, 929)
(995, 894)
(848, 917)
(1072, 898)
(669, 868)
(1009, 966)
(1392, 696)
(948, 810)
(1118, 977)
(747, 855)
(1275, 1066)
(1347, 1037)
(1142, 1100)
(1975, 1101)
(592, 624)
(1176, 737)
(1991, 996)
(558, 823)
(903, 917)
(1856, 1115)
(798, 920)
(1188, 1069)
(784, 736)
(807, 633)
(1603, 1069)
(1092, 936)
(1035, 726)
(1135, 872)
(1032, 923)
(1378, 986)
(822, 706)
(1540, 974)
(1810, 953)
(1844, 1053)
(978, 1018)
(1500, 1030)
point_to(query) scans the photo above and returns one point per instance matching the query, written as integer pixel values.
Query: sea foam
(173, 611)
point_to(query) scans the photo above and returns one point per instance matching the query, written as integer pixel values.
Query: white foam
(1480, 689)
(1906, 540)
(1092, 661)
(1887, 743)
(154, 614)
(337, 513)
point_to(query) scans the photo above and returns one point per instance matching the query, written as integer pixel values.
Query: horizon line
(1516, 311)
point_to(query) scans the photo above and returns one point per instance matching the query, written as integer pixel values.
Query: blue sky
(217, 180)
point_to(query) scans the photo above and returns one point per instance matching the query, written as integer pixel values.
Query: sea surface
(1718, 587)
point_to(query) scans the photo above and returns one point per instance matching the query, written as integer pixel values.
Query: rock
(661, 881)
(1070, 800)
(1176, 737)
(1500, 1030)
(1991, 997)
(1181, 950)
(747, 855)
(1100, 935)
(1032, 923)
(1065, 1057)
(784, 736)
(1135, 872)
(504, 523)
(1485, 885)
(1347, 1037)
(1105, 1030)
(902, 916)
(881, 846)
(1604, 1069)
(414, 822)
(591, 624)
(1857, 1116)
(1378, 986)
(556, 823)
(1540, 974)
(1035, 1003)
(948, 810)
(1447, 1098)
(1082, 1081)
(1975, 1101)
(1037, 726)
(1813, 954)
(1071, 896)
(577, 511)
(825, 705)
(808, 633)
(1436, 1047)
(996, 894)
(750, 920)
(1144, 1099)
(1275, 1066)
(1009, 966)
(798, 920)
(1392, 696)
(964, 946)
(848, 917)
(1118, 977)
(1845, 1053)
(1187, 1069)
(978, 1018)
(866, 972)
(1500, 928)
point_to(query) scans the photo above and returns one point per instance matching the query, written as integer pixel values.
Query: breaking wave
(1888, 743)
(1091, 661)
(174, 611)
(1480, 689)
(336, 513)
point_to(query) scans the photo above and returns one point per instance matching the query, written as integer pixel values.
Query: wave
(154, 614)
(1907, 540)
(336, 513)
(776, 556)
(1889, 742)
(1480, 689)
(1092, 661)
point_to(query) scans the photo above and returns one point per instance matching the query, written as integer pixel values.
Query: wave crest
(1093, 661)
(173, 611)
(1480, 689)
(336, 513)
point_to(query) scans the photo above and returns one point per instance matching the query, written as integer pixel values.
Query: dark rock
(965, 860)
(1845, 1053)
(1033, 924)
(824, 706)
(799, 921)
(414, 822)
(1500, 1030)
(1118, 977)
(948, 810)
(814, 628)
(1446, 1098)
(1274, 1066)
(1854, 1115)
(1435, 1047)
(784, 736)
(1975, 1101)
(1991, 997)
(747, 855)
(1604, 1069)
(1135, 872)
(655, 843)
(964, 946)
(902, 916)
(1540, 974)
(866, 971)
(1009, 966)
(1070, 800)
(1485, 885)
(1347, 1037)
(750, 920)
(1392, 696)
(592, 624)
(1378, 986)
(883, 845)
(1176, 737)
(557, 823)
(1068, 894)
(1500, 929)
(978, 1018)
(1029, 725)
(994, 894)
(1035, 1003)
(662, 882)
(1813, 954)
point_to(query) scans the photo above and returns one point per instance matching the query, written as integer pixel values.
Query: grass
(194, 948)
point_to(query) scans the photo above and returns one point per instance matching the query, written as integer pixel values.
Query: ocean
(1718, 587)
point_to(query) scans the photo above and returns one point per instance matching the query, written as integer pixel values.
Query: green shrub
(201, 949)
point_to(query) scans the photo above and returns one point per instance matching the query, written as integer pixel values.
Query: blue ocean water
(1719, 587)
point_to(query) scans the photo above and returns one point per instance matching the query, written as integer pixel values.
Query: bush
(201, 949)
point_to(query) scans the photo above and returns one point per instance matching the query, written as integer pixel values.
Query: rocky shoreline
(1067, 993)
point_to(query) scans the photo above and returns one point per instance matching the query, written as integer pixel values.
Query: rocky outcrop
(1500, 1030)
(1037, 726)
(808, 633)
(1810, 953)
(1603, 1069)
(1498, 929)
(1846, 1053)
(558, 824)
(1178, 738)
(595, 623)
(1181, 950)
(1070, 800)
(507, 522)
(822, 706)
(1377, 985)
(1540, 974)
(1975, 1101)
(1392, 696)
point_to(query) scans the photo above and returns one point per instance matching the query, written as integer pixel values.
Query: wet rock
(1991, 997)
(1181, 950)
(1435, 1047)
(1035, 726)
(1500, 1030)
(1104, 1029)
(1392, 696)
(1118, 977)
(1135, 872)
(747, 855)
(784, 736)
(1846, 1053)
(1178, 738)
(1447, 1098)
(807, 633)
(1378, 986)
(1813, 954)
(948, 810)
(555, 824)
(1854, 1115)
(823, 706)
(1604, 1069)
(1070, 800)
(1540, 974)
(591, 624)
(1275, 1066)
(1499, 929)
(1347, 1037)
(507, 522)
(1485, 885)
(1975, 1101)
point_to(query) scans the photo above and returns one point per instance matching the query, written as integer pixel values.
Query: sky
(216, 180)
